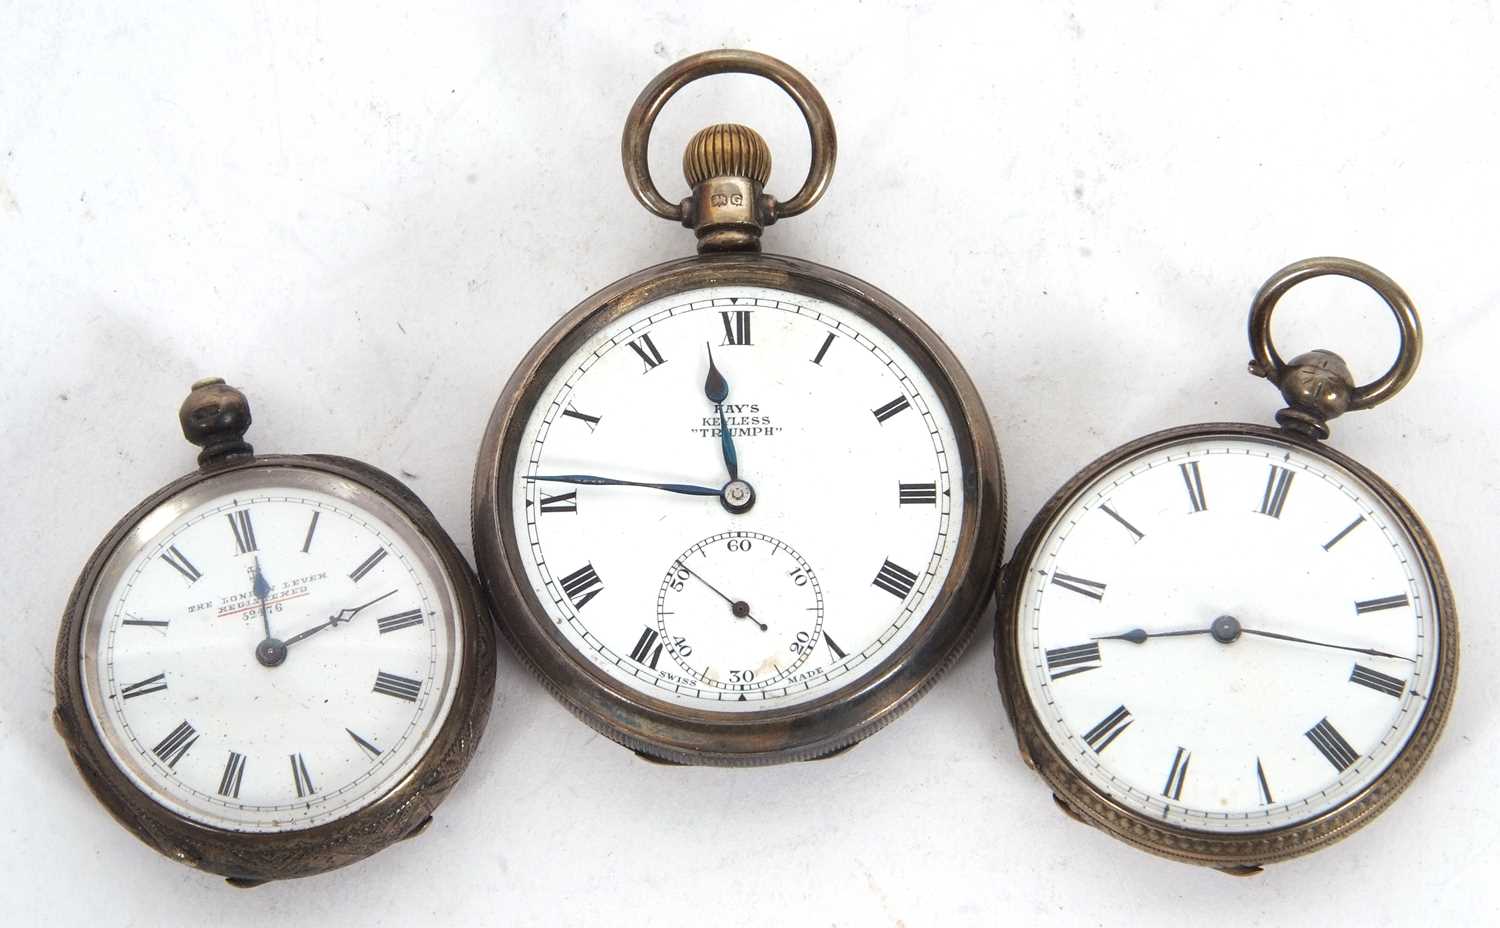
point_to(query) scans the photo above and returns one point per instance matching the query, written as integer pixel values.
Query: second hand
(739, 608)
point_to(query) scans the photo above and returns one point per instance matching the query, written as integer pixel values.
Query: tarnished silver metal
(1316, 385)
(216, 416)
(727, 165)
(807, 731)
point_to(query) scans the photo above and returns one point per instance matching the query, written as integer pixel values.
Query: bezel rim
(1234, 852)
(809, 730)
(249, 858)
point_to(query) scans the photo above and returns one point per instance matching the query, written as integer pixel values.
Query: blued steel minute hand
(716, 388)
(590, 480)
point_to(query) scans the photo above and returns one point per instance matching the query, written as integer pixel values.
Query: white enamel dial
(272, 650)
(1156, 622)
(857, 484)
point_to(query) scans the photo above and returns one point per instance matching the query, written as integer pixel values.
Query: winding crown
(726, 150)
(215, 417)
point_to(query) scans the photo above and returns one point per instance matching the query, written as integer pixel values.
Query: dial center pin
(1226, 629)
(737, 496)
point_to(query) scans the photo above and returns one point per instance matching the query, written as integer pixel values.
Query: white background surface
(364, 215)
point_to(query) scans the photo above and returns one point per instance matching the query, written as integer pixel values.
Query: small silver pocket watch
(737, 508)
(274, 665)
(1230, 644)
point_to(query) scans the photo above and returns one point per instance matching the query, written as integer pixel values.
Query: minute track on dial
(262, 714)
(193, 743)
(1288, 650)
(796, 416)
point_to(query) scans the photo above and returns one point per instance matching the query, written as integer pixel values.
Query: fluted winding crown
(726, 150)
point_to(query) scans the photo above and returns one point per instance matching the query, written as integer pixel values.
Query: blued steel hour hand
(716, 388)
(592, 481)
(262, 588)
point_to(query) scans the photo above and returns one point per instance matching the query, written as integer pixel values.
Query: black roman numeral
(234, 772)
(171, 748)
(364, 745)
(1121, 519)
(1377, 681)
(736, 326)
(400, 620)
(181, 564)
(585, 418)
(582, 585)
(818, 358)
(1384, 602)
(833, 648)
(389, 684)
(1265, 788)
(920, 494)
(244, 532)
(312, 526)
(149, 623)
(1194, 482)
(647, 648)
(566, 502)
(891, 408)
(1332, 745)
(1178, 774)
(149, 685)
(1100, 736)
(367, 565)
(300, 777)
(1090, 588)
(646, 348)
(895, 579)
(1340, 536)
(1078, 658)
(1277, 483)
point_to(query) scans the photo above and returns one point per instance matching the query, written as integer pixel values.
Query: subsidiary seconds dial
(739, 612)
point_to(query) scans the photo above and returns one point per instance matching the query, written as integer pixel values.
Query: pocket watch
(1229, 644)
(274, 665)
(737, 508)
